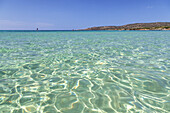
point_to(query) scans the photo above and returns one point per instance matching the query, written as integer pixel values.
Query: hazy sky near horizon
(77, 14)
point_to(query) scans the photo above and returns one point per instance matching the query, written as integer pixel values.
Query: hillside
(136, 26)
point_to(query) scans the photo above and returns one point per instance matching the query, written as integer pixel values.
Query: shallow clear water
(85, 72)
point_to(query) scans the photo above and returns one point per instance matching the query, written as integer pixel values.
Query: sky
(79, 14)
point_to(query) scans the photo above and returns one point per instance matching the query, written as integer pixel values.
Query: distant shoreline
(156, 26)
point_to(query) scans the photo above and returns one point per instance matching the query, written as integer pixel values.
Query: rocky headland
(135, 26)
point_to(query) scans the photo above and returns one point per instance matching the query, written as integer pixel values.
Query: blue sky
(77, 14)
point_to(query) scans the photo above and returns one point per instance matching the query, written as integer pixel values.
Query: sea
(84, 71)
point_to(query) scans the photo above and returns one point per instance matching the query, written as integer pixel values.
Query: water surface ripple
(85, 72)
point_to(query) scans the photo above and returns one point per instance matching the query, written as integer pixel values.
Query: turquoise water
(85, 72)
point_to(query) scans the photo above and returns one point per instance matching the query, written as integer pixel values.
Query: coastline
(136, 26)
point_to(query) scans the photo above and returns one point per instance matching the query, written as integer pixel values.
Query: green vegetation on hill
(136, 26)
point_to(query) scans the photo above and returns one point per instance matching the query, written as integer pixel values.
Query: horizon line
(78, 28)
